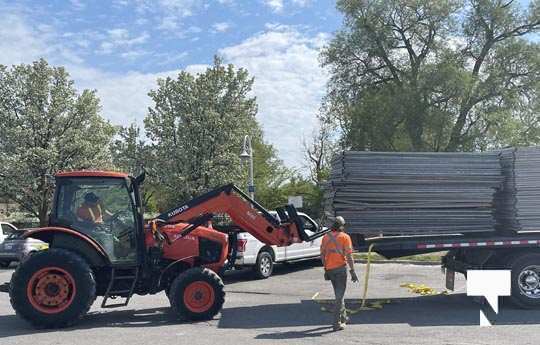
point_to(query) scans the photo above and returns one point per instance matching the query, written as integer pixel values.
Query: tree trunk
(43, 216)
(455, 136)
(415, 124)
(44, 206)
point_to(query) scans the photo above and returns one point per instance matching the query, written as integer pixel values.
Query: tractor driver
(91, 211)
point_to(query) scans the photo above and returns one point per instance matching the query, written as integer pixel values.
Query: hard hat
(91, 197)
(339, 223)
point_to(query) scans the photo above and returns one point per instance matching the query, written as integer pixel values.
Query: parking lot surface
(280, 309)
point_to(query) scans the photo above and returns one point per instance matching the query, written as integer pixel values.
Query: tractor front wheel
(52, 289)
(197, 294)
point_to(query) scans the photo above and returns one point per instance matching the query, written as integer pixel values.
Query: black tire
(264, 265)
(5, 264)
(184, 289)
(83, 292)
(524, 295)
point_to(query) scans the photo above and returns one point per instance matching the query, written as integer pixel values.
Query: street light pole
(247, 153)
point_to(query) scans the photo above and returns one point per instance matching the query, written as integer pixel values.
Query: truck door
(304, 249)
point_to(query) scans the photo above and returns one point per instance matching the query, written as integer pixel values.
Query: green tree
(196, 128)
(269, 174)
(131, 154)
(298, 185)
(319, 151)
(46, 126)
(434, 75)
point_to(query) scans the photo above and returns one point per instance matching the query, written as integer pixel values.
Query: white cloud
(168, 23)
(133, 54)
(78, 4)
(301, 3)
(21, 43)
(275, 5)
(169, 14)
(289, 85)
(120, 3)
(168, 58)
(195, 69)
(221, 27)
(124, 98)
(121, 39)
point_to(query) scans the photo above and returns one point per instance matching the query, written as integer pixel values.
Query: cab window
(309, 224)
(102, 209)
(7, 229)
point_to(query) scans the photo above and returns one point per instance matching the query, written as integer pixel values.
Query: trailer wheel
(197, 294)
(526, 281)
(52, 289)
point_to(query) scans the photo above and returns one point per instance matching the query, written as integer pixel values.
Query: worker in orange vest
(90, 210)
(336, 253)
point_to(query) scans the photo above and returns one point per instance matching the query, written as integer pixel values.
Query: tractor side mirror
(140, 179)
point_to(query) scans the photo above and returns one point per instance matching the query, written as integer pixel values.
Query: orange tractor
(99, 245)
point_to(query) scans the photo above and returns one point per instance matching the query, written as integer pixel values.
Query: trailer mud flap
(450, 279)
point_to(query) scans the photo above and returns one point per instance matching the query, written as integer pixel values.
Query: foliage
(45, 127)
(196, 128)
(319, 152)
(434, 75)
(298, 186)
(131, 154)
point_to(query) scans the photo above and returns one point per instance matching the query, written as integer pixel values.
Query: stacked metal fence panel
(518, 204)
(403, 193)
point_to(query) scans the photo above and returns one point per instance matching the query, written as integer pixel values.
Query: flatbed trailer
(519, 253)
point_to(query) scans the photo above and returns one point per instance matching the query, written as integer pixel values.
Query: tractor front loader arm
(244, 211)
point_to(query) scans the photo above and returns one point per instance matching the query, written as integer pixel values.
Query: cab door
(115, 226)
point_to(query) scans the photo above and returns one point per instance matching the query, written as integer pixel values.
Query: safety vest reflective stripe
(338, 250)
(92, 214)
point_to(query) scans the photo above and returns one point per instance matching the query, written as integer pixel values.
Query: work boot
(344, 319)
(339, 327)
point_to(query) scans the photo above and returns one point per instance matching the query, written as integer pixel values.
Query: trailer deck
(396, 246)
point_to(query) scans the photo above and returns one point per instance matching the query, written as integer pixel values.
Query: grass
(430, 257)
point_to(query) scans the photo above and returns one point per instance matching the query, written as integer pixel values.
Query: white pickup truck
(6, 229)
(261, 257)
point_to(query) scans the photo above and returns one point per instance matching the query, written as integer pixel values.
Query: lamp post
(247, 154)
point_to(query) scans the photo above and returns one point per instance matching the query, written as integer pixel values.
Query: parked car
(261, 258)
(6, 229)
(15, 248)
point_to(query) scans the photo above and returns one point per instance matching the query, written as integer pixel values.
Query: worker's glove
(326, 276)
(354, 278)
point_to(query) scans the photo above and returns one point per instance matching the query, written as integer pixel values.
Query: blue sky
(121, 47)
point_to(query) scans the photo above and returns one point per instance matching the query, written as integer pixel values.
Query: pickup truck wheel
(264, 266)
(5, 264)
(197, 294)
(526, 281)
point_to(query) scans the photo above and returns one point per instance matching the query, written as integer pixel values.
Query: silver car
(15, 248)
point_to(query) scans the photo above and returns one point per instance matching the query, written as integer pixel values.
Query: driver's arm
(106, 214)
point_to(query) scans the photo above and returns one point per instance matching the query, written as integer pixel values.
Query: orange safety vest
(90, 213)
(334, 248)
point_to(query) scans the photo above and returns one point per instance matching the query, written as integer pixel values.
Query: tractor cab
(104, 206)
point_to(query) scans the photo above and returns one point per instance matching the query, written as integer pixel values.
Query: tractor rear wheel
(52, 289)
(197, 294)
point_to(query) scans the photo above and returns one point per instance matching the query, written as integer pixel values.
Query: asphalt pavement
(280, 309)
